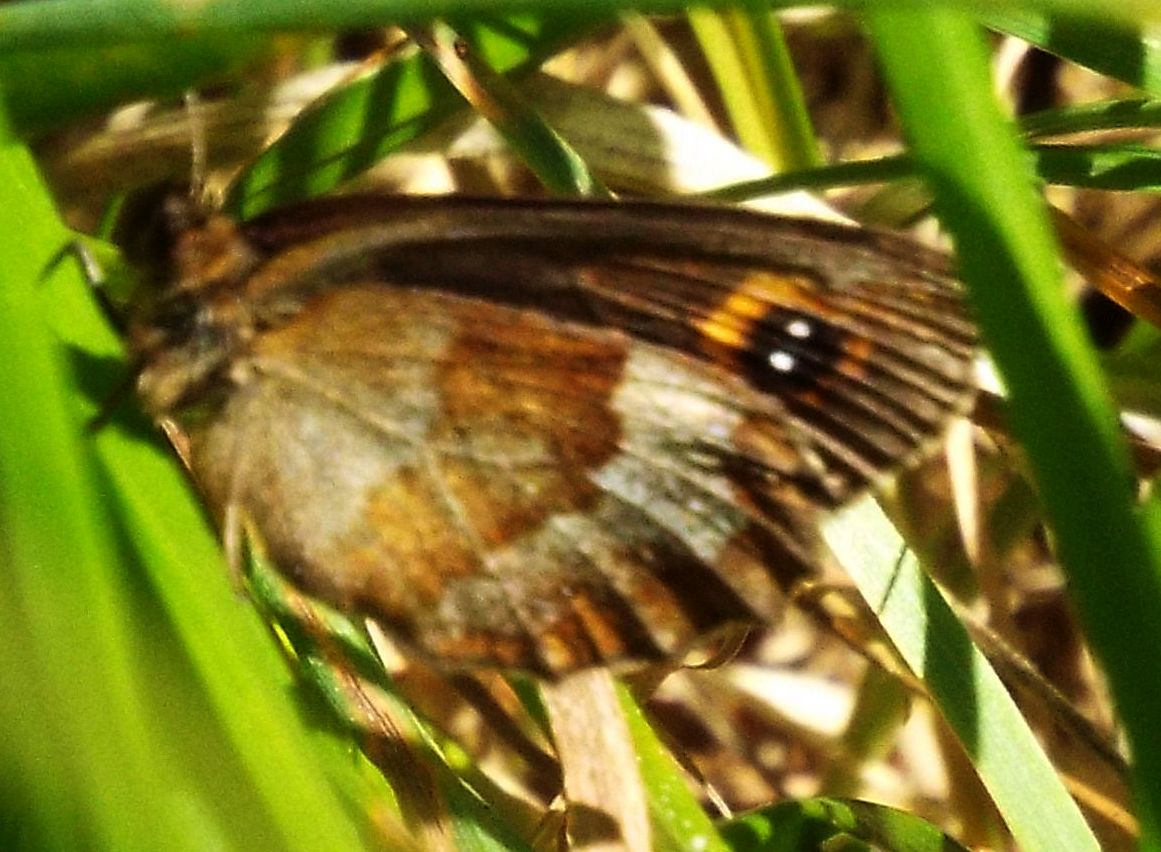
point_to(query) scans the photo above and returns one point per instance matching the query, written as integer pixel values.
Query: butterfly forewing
(544, 435)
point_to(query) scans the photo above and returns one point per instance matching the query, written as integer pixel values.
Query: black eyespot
(790, 350)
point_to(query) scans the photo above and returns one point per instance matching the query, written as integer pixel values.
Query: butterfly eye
(178, 317)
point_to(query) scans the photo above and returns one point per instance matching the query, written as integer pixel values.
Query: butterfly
(543, 435)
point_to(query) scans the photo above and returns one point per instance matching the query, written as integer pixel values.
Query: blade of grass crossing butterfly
(365, 120)
(549, 156)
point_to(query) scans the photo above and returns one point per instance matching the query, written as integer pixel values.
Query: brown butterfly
(544, 435)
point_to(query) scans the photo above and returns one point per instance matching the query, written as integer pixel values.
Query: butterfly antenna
(199, 159)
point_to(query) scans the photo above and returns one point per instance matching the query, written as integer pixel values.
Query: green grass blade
(538, 145)
(679, 822)
(47, 90)
(70, 727)
(362, 122)
(1124, 167)
(57, 23)
(1113, 44)
(834, 823)
(751, 64)
(109, 750)
(969, 695)
(343, 672)
(1059, 406)
(101, 707)
(1085, 118)
(1114, 167)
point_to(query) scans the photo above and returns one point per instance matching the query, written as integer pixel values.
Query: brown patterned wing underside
(499, 488)
(517, 440)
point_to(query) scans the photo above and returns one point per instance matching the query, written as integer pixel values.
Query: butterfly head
(192, 318)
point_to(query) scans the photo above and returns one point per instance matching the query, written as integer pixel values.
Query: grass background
(143, 705)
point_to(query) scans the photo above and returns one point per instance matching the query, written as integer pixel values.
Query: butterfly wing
(549, 453)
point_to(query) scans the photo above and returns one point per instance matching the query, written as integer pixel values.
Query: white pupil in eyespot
(782, 361)
(799, 328)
